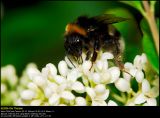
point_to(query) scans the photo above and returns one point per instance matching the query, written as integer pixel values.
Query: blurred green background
(33, 31)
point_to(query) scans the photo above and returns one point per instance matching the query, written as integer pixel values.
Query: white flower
(139, 61)
(145, 97)
(62, 67)
(49, 71)
(98, 94)
(140, 99)
(80, 101)
(59, 79)
(83, 84)
(78, 87)
(40, 81)
(28, 95)
(54, 99)
(86, 66)
(123, 85)
(115, 73)
(145, 86)
(112, 103)
(67, 95)
(99, 103)
(139, 76)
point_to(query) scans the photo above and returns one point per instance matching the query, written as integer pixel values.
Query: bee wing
(109, 19)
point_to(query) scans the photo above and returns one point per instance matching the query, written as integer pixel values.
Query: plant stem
(149, 15)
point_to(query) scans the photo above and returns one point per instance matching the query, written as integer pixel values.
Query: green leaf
(149, 47)
(136, 4)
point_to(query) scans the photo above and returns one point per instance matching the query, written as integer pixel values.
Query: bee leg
(88, 54)
(118, 61)
(80, 60)
(71, 61)
(94, 57)
(95, 52)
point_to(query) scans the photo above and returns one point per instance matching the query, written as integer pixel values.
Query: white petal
(115, 73)
(19, 102)
(48, 92)
(32, 86)
(31, 72)
(139, 76)
(27, 94)
(67, 95)
(105, 66)
(90, 92)
(103, 96)
(100, 89)
(73, 75)
(107, 55)
(105, 77)
(145, 86)
(144, 58)
(35, 103)
(140, 99)
(86, 66)
(50, 70)
(128, 65)
(80, 101)
(112, 103)
(99, 103)
(68, 62)
(62, 67)
(133, 71)
(59, 79)
(96, 78)
(40, 81)
(126, 76)
(152, 102)
(54, 99)
(78, 87)
(122, 85)
(53, 86)
(99, 65)
(139, 61)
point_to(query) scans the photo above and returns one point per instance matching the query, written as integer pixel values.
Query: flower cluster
(104, 85)
(9, 81)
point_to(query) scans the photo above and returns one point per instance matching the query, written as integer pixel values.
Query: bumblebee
(92, 34)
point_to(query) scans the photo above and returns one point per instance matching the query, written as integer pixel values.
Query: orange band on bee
(75, 28)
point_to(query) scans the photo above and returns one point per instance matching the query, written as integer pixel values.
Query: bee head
(73, 44)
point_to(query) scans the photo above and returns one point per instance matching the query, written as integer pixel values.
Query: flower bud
(63, 69)
(80, 101)
(122, 85)
(139, 76)
(27, 94)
